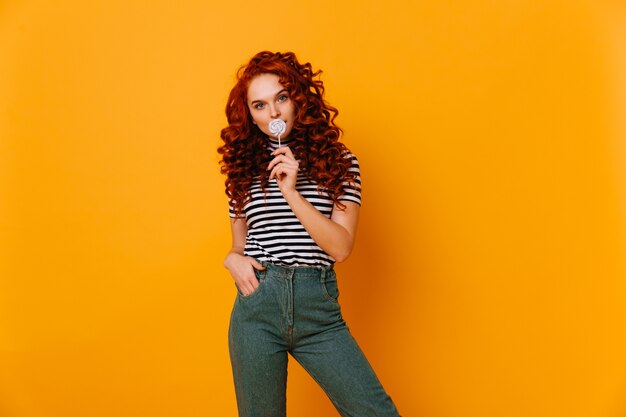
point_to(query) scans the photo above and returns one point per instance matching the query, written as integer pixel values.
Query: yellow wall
(488, 278)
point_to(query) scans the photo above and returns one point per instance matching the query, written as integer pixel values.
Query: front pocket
(330, 289)
(260, 275)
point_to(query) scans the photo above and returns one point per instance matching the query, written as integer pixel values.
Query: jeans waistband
(297, 270)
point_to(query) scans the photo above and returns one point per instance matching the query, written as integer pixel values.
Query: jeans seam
(333, 399)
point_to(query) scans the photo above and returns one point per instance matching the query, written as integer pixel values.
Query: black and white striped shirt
(274, 232)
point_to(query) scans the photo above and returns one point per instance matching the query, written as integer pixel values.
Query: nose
(274, 112)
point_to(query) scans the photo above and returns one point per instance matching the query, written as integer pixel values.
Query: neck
(273, 142)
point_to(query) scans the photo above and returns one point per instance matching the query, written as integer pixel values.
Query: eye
(258, 106)
(283, 97)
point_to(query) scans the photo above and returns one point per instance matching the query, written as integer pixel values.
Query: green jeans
(295, 310)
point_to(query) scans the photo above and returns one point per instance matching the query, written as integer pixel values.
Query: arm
(240, 266)
(335, 235)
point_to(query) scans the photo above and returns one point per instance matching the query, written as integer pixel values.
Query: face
(267, 100)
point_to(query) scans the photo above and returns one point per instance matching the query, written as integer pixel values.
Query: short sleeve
(231, 210)
(352, 191)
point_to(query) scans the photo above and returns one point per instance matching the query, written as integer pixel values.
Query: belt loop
(323, 274)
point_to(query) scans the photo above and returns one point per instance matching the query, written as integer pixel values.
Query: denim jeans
(295, 310)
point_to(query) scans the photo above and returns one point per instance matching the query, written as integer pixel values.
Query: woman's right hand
(241, 268)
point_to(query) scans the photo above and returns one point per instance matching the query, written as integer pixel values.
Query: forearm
(239, 236)
(236, 249)
(332, 237)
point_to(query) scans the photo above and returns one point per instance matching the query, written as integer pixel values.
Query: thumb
(257, 264)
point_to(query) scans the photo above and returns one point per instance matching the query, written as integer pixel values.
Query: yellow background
(489, 274)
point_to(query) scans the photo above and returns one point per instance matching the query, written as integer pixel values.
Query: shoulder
(348, 154)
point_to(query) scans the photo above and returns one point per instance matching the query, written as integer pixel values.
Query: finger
(281, 169)
(277, 160)
(282, 150)
(256, 264)
(248, 286)
(284, 156)
(243, 289)
(290, 163)
(252, 284)
(275, 171)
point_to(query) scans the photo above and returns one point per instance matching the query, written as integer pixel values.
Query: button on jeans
(295, 310)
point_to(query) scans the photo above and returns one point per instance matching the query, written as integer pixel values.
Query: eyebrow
(284, 90)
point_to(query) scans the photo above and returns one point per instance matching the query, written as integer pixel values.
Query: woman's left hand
(284, 168)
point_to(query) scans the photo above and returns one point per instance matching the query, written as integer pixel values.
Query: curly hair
(315, 136)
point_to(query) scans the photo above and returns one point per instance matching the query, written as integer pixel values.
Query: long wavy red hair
(315, 136)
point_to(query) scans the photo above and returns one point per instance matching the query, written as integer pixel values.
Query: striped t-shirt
(274, 232)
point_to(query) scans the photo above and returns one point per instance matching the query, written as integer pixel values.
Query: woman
(294, 204)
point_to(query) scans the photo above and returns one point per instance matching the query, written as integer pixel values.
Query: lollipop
(277, 127)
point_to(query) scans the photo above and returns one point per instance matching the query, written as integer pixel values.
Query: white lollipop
(277, 127)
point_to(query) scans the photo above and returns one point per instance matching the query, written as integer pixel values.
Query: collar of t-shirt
(273, 143)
